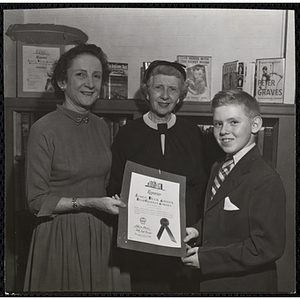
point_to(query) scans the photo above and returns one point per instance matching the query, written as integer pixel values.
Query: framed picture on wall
(34, 65)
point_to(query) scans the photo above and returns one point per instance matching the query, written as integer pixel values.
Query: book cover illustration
(198, 73)
(239, 75)
(118, 81)
(230, 75)
(270, 80)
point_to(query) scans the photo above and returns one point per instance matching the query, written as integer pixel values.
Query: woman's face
(84, 80)
(163, 94)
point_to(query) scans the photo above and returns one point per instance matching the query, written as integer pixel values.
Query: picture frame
(34, 63)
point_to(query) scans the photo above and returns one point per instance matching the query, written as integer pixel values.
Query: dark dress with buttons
(183, 155)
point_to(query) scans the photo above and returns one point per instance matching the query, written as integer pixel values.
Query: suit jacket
(243, 229)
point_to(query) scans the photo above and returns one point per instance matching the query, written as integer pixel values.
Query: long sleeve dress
(182, 153)
(68, 155)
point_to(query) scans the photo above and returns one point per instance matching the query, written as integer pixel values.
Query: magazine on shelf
(198, 73)
(239, 75)
(146, 64)
(117, 87)
(270, 80)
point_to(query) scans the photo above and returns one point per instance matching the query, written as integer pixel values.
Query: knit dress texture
(69, 155)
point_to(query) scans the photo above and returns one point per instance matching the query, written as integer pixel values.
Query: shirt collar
(153, 125)
(239, 155)
(75, 116)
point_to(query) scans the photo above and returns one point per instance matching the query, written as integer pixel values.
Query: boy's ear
(256, 124)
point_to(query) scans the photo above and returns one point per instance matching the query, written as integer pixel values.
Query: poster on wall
(153, 220)
(34, 67)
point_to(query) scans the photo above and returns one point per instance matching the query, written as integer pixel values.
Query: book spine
(25, 119)
(241, 76)
(260, 140)
(17, 134)
(268, 145)
(122, 121)
(116, 127)
(275, 145)
(251, 78)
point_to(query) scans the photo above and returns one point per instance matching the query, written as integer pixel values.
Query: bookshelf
(19, 222)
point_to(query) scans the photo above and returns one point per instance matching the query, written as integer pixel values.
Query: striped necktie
(220, 177)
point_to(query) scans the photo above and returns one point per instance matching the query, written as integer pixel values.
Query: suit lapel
(233, 179)
(230, 183)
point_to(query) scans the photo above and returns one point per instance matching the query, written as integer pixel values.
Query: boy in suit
(242, 231)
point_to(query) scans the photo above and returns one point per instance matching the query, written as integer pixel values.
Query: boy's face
(233, 128)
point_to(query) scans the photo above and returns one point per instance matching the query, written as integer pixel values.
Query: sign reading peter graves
(154, 219)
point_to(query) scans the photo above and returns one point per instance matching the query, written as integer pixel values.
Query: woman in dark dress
(68, 163)
(163, 141)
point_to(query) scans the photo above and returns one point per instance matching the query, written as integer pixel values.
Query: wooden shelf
(137, 105)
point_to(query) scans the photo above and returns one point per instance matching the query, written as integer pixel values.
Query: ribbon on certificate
(165, 225)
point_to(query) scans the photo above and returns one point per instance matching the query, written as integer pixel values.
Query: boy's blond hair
(237, 97)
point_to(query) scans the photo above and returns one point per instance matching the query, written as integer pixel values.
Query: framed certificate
(154, 220)
(34, 65)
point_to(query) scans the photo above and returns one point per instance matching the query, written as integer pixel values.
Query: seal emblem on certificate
(154, 219)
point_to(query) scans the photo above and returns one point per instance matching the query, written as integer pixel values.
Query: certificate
(35, 63)
(154, 219)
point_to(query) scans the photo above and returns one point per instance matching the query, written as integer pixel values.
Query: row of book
(263, 78)
(114, 125)
(266, 137)
(22, 122)
(266, 140)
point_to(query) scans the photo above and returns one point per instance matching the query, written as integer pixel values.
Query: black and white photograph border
(134, 33)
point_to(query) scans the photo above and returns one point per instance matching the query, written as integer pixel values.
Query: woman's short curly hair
(165, 70)
(60, 68)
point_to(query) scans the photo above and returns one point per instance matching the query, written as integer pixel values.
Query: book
(122, 121)
(17, 134)
(260, 140)
(270, 144)
(143, 69)
(249, 78)
(198, 73)
(230, 75)
(114, 125)
(117, 87)
(25, 125)
(270, 75)
(239, 75)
